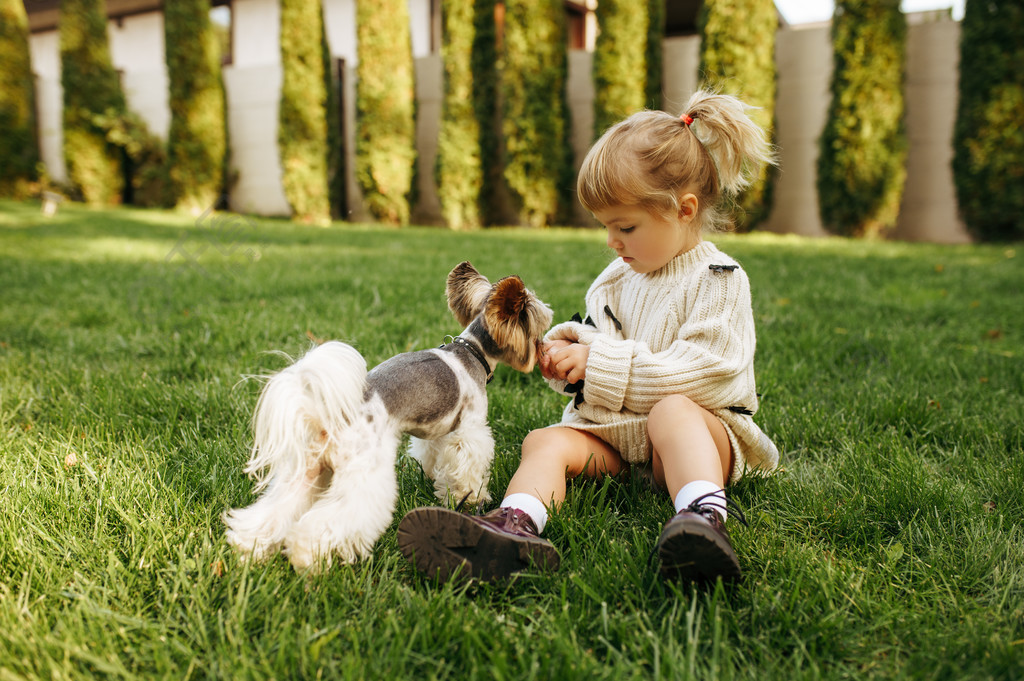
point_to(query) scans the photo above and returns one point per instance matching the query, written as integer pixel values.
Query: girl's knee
(544, 442)
(678, 426)
(675, 414)
(670, 409)
(570, 450)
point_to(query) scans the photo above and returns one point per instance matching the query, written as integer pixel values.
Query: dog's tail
(303, 409)
(302, 413)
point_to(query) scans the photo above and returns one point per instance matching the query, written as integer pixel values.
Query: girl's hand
(565, 361)
(546, 350)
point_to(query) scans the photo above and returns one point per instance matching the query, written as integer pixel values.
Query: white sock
(698, 488)
(530, 505)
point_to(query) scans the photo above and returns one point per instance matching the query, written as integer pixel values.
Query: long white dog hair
(326, 432)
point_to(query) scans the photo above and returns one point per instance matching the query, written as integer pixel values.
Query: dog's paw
(312, 555)
(258, 552)
(483, 497)
(307, 557)
(307, 548)
(251, 545)
(472, 497)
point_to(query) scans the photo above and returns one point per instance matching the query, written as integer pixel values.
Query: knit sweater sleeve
(602, 289)
(709, 359)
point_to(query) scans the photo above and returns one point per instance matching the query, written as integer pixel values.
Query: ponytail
(737, 146)
(652, 158)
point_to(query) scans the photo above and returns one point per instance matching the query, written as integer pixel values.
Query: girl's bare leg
(693, 459)
(447, 543)
(555, 454)
(690, 444)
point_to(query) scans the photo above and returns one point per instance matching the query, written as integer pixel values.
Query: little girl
(661, 370)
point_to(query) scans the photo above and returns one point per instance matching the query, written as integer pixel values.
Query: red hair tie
(687, 120)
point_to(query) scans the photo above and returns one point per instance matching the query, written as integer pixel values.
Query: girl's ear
(687, 207)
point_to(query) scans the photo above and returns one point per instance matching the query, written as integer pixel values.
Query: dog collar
(473, 350)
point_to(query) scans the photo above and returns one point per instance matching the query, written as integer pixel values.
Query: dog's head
(506, 317)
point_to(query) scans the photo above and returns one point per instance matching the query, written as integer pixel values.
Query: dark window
(576, 20)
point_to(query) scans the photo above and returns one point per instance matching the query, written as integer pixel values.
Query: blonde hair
(653, 158)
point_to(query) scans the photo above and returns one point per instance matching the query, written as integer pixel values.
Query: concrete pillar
(581, 110)
(429, 101)
(804, 58)
(929, 210)
(253, 90)
(680, 61)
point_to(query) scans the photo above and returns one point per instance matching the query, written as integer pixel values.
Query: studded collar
(474, 350)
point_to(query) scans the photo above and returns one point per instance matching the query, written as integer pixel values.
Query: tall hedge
(335, 143)
(92, 95)
(486, 86)
(143, 157)
(654, 58)
(738, 57)
(988, 160)
(538, 163)
(385, 108)
(861, 167)
(459, 168)
(302, 122)
(19, 149)
(197, 140)
(620, 62)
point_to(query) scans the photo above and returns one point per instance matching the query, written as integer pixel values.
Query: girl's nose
(613, 243)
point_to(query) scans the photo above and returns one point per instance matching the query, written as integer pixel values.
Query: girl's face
(647, 241)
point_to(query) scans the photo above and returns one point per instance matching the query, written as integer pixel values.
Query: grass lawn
(889, 545)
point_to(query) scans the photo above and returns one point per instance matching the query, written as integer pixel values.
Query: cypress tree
(197, 140)
(535, 120)
(738, 57)
(302, 128)
(92, 100)
(459, 170)
(385, 109)
(620, 55)
(335, 143)
(861, 167)
(486, 87)
(143, 157)
(654, 58)
(19, 150)
(988, 160)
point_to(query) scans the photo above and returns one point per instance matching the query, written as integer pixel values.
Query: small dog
(326, 432)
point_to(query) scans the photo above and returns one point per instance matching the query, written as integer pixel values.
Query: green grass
(889, 545)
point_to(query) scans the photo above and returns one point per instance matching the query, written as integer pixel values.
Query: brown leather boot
(695, 547)
(445, 544)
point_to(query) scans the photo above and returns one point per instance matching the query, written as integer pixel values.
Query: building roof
(44, 14)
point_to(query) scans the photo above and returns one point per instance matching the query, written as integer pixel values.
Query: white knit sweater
(685, 329)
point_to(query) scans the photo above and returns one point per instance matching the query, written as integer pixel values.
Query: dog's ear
(505, 319)
(467, 291)
(509, 298)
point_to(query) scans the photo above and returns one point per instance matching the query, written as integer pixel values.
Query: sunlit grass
(888, 546)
